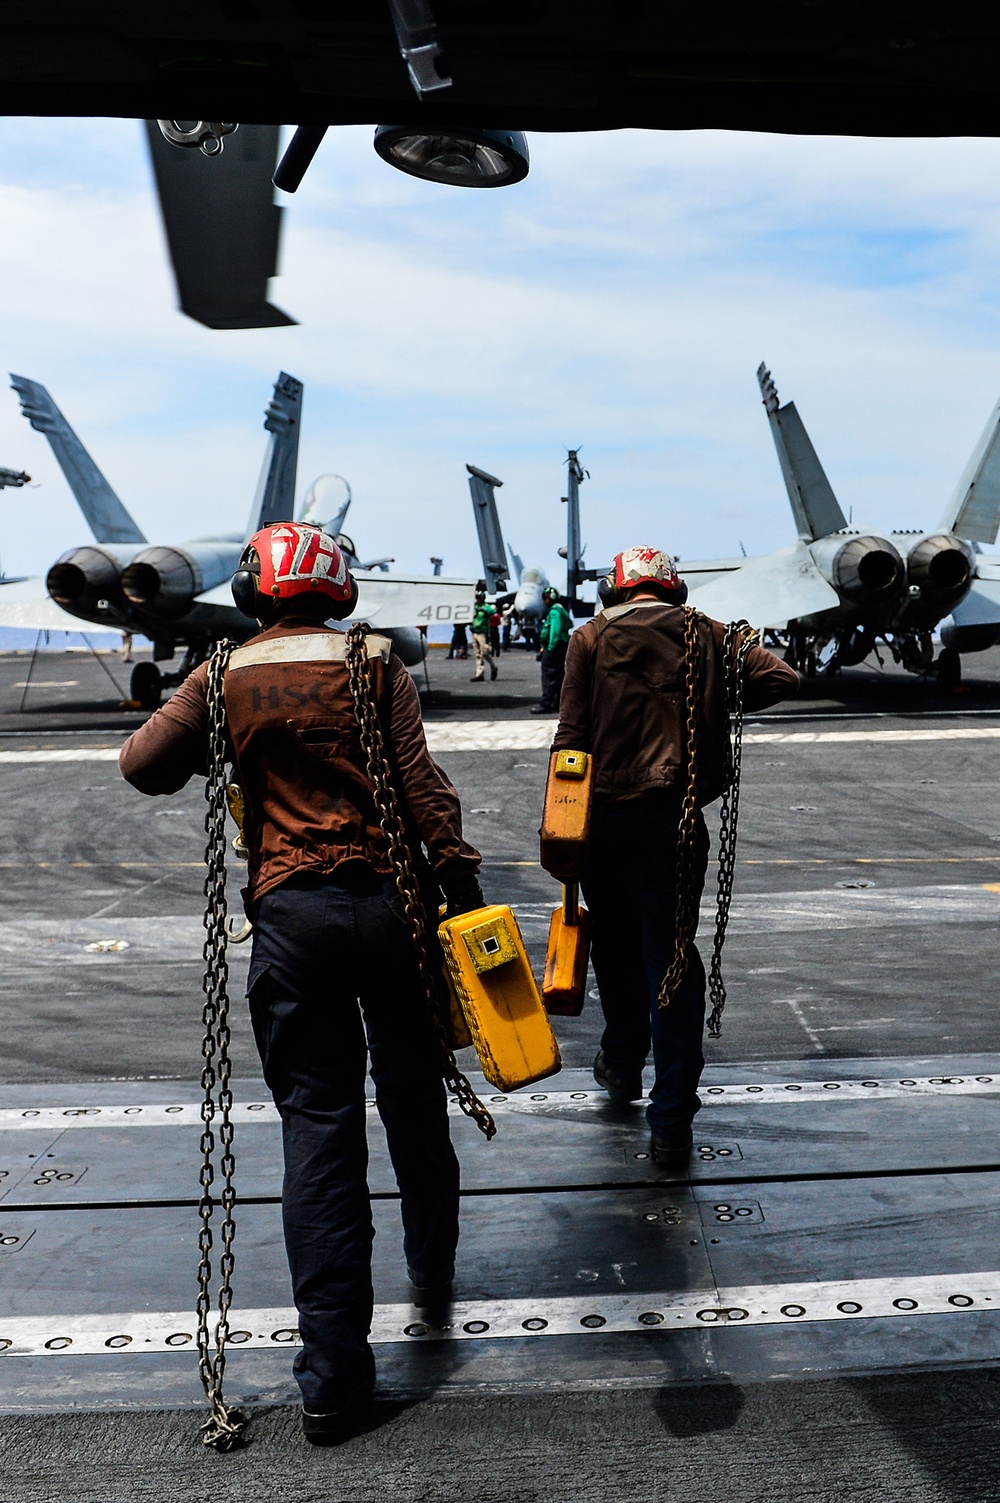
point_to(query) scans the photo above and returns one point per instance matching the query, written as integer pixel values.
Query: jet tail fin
(814, 506)
(517, 562)
(106, 516)
(274, 500)
(973, 512)
(484, 509)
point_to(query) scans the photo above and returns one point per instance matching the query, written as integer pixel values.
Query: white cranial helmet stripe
(636, 566)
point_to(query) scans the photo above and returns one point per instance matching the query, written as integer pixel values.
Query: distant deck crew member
(333, 958)
(553, 639)
(459, 645)
(623, 700)
(483, 618)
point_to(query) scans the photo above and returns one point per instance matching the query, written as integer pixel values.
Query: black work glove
(463, 896)
(538, 657)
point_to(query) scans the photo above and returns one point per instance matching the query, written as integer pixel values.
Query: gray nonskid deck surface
(901, 1437)
(617, 1332)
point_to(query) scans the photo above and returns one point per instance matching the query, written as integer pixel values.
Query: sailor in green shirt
(554, 635)
(482, 616)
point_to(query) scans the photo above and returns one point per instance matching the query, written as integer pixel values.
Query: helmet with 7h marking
(294, 562)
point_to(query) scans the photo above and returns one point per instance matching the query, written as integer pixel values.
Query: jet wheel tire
(146, 685)
(949, 668)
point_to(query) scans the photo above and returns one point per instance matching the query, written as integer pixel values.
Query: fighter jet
(527, 600)
(840, 591)
(178, 595)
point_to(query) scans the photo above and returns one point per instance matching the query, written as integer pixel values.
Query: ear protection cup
(246, 592)
(608, 592)
(345, 608)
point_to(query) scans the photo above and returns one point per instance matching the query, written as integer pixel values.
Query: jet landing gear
(147, 683)
(948, 668)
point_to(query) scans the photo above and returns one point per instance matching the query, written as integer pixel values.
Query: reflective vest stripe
(306, 649)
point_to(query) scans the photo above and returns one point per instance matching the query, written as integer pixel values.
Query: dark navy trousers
(333, 962)
(553, 672)
(630, 890)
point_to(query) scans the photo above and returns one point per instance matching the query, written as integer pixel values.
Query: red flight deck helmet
(635, 567)
(293, 560)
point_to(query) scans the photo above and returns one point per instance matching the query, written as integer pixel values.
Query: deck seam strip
(533, 1318)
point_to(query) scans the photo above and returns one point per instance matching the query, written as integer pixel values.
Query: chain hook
(206, 136)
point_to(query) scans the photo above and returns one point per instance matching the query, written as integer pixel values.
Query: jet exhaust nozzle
(86, 581)
(164, 582)
(867, 570)
(941, 567)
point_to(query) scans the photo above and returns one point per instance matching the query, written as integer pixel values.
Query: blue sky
(620, 299)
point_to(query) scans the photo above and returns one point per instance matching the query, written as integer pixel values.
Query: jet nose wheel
(146, 685)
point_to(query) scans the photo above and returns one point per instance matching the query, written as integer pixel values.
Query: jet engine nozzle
(867, 570)
(941, 567)
(87, 582)
(163, 581)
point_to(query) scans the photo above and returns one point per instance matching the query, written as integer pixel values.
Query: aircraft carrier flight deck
(813, 1311)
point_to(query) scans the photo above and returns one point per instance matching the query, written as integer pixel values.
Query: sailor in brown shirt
(333, 959)
(623, 700)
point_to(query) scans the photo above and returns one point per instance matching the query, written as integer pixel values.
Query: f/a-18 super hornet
(178, 595)
(528, 599)
(840, 590)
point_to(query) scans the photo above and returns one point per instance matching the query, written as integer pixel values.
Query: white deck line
(530, 1101)
(517, 735)
(580, 1315)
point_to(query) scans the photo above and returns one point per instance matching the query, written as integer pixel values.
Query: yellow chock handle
(571, 903)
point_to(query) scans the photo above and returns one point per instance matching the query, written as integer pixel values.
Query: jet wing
(981, 606)
(386, 600)
(25, 603)
(222, 226)
(767, 591)
(701, 571)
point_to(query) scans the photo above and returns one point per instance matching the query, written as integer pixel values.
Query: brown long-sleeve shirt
(298, 757)
(623, 700)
